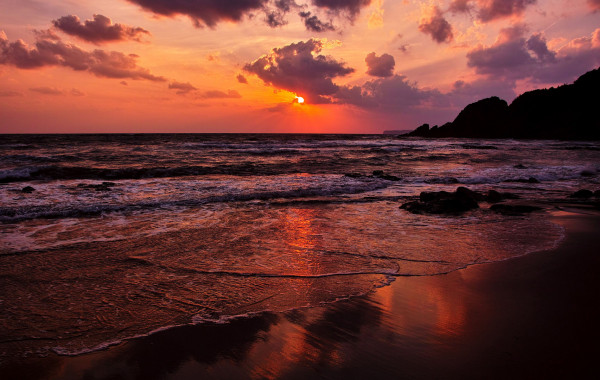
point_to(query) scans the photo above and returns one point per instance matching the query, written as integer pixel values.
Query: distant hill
(568, 112)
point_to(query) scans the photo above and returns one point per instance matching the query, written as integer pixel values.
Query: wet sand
(535, 316)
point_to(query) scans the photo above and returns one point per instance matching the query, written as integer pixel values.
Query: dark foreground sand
(534, 317)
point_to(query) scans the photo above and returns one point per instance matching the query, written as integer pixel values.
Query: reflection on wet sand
(524, 318)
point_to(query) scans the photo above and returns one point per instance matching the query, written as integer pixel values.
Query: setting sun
(300, 99)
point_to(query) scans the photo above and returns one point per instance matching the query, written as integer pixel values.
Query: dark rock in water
(597, 193)
(505, 209)
(587, 173)
(443, 202)
(27, 190)
(494, 196)
(520, 166)
(582, 194)
(382, 175)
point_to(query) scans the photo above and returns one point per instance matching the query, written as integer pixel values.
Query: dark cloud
(380, 66)
(437, 27)
(496, 9)
(242, 79)
(312, 23)
(46, 91)
(300, 68)
(513, 56)
(217, 94)
(205, 12)
(350, 7)
(76, 92)
(123, 83)
(275, 16)
(182, 88)
(594, 4)
(98, 30)
(57, 53)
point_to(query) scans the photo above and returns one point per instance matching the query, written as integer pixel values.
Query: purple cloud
(300, 68)
(513, 56)
(460, 6)
(490, 10)
(382, 66)
(98, 30)
(350, 7)
(242, 79)
(437, 27)
(57, 53)
(594, 4)
(205, 12)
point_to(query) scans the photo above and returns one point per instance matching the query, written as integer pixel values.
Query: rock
(597, 193)
(443, 202)
(382, 175)
(520, 166)
(537, 114)
(27, 190)
(582, 194)
(587, 173)
(506, 209)
(494, 196)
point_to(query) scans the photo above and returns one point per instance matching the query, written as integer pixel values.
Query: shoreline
(532, 315)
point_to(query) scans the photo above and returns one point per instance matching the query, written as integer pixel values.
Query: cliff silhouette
(568, 112)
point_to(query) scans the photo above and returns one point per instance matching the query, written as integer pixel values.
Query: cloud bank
(515, 56)
(300, 68)
(48, 52)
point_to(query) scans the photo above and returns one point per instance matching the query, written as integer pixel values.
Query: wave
(55, 172)
(20, 213)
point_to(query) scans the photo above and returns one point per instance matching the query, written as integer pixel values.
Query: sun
(300, 99)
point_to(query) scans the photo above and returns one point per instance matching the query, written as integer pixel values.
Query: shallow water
(197, 228)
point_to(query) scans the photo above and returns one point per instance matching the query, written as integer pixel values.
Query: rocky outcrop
(568, 112)
(443, 202)
(458, 202)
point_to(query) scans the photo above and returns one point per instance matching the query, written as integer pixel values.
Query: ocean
(105, 238)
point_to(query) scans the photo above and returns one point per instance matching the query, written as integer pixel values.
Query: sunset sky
(362, 66)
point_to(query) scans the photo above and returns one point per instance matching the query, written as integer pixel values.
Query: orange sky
(210, 66)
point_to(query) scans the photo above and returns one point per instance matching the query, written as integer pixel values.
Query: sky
(210, 66)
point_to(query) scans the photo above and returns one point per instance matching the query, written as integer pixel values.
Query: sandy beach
(534, 316)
